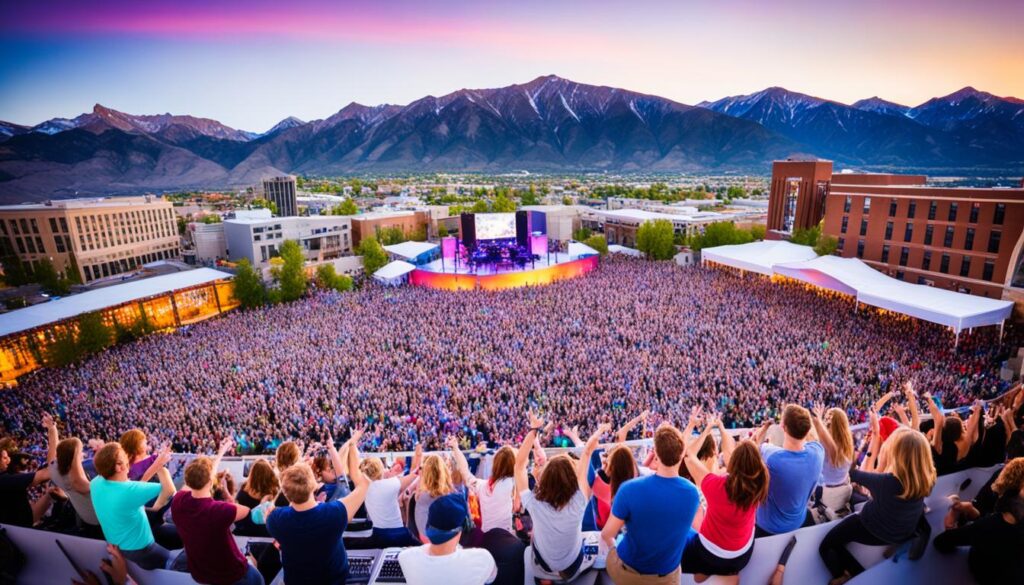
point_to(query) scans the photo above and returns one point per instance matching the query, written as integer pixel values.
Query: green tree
(735, 192)
(389, 236)
(418, 235)
(655, 239)
(719, 233)
(212, 218)
(14, 271)
(249, 288)
(328, 278)
(529, 197)
(826, 245)
(806, 237)
(182, 225)
(292, 275)
(479, 207)
(581, 234)
(63, 350)
(566, 200)
(442, 230)
(758, 231)
(52, 282)
(374, 257)
(597, 242)
(346, 207)
(264, 204)
(93, 334)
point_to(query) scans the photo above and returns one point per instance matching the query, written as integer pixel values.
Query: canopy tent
(871, 287)
(393, 272)
(757, 257)
(412, 251)
(578, 250)
(617, 249)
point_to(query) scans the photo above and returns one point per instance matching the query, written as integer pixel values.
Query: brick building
(368, 224)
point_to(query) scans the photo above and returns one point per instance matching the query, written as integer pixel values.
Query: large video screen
(493, 226)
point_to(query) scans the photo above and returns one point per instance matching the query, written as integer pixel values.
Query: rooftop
(86, 202)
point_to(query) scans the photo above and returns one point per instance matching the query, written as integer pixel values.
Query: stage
(447, 277)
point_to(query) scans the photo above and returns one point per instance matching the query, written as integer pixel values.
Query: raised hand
(225, 446)
(164, 456)
(48, 421)
(819, 410)
(596, 437)
(535, 422)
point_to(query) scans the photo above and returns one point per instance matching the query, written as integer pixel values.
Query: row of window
(994, 237)
(94, 271)
(998, 214)
(124, 227)
(926, 261)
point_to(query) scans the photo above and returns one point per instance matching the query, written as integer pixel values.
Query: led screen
(493, 226)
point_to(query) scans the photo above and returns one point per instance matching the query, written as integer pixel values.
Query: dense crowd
(415, 365)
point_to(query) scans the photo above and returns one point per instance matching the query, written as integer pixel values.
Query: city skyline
(249, 67)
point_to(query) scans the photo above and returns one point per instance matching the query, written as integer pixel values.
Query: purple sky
(250, 64)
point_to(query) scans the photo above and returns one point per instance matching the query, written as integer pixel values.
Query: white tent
(393, 272)
(617, 249)
(757, 257)
(578, 250)
(851, 276)
(410, 250)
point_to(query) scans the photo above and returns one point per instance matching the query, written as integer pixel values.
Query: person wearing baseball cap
(442, 560)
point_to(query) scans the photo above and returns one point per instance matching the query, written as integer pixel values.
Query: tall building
(322, 237)
(965, 239)
(281, 191)
(104, 236)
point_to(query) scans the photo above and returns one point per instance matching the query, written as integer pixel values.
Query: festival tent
(393, 273)
(871, 287)
(757, 257)
(578, 250)
(411, 251)
(617, 249)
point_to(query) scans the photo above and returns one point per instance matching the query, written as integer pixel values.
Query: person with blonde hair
(382, 500)
(833, 429)
(897, 500)
(435, 481)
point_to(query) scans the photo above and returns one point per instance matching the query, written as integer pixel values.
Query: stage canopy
(757, 256)
(411, 250)
(393, 272)
(578, 250)
(617, 249)
(851, 276)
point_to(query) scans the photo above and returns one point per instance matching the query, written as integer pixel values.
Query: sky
(251, 63)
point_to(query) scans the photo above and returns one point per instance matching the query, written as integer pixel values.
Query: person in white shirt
(382, 505)
(443, 560)
(497, 495)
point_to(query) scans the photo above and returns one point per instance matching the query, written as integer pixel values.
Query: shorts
(698, 559)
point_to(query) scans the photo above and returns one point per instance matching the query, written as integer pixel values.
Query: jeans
(833, 548)
(152, 557)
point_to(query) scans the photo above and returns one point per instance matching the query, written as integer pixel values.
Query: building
(208, 242)
(258, 237)
(964, 239)
(368, 224)
(561, 221)
(101, 236)
(620, 226)
(281, 192)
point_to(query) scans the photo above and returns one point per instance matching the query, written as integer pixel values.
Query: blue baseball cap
(446, 517)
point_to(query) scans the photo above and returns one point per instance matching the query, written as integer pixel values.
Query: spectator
(619, 467)
(287, 454)
(310, 534)
(951, 438)
(794, 469)
(67, 473)
(725, 541)
(441, 559)
(204, 525)
(136, 446)
(435, 481)
(497, 495)
(119, 504)
(656, 511)
(261, 486)
(833, 430)
(15, 508)
(897, 502)
(382, 504)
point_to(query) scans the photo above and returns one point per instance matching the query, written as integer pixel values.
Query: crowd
(413, 366)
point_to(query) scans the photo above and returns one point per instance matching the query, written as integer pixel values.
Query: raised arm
(623, 433)
(573, 434)
(915, 413)
(691, 424)
(761, 431)
(974, 421)
(876, 442)
(694, 465)
(354, 500)
(166, 487)
(51, 438)
(824, 437)
(583, 464)
(338, 461)
(414, 468)
(728, 444)
(939, 420)
(163, 457)
(222, 450)
(523, 455)
(460, 460)
(881, 402)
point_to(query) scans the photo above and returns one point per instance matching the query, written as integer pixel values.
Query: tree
(292, 275)
(581, 234)
(419, 234)
(328, 278)
(529, 197)
(264, 204)
(249, 288)
(720, 233)
(46, 275)
(758, 231)
(566, 200)
(182, 225)
(93, 334)
(735, 192)
(479, 207)
(826, 245)
(214, 218)
(63, 350)
(806, 237)
(373, 255)
(442, 230)
(654, 238)
(346, 207)
(597, 242)
(389, 236)
(14, 271)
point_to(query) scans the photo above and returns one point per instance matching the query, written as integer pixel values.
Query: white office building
(324, 237)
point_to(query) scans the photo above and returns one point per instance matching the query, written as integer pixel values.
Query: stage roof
(95, 300)
(945, 307)
(617, 249)
(393, 270)
(578, 250)
(409, 250)
(758, 256)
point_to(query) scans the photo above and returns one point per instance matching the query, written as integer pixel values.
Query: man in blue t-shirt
(794, 469)
(309, 533)
(657, 512)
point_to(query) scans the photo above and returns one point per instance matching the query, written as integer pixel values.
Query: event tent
(617, 249)
(393, 272)
(412, 251)
(871, 287)
(757, 257)
(578, 250)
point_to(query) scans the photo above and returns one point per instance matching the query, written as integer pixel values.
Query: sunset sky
(250, 64)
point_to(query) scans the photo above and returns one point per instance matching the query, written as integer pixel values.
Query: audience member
(441, 559)
(794, 469)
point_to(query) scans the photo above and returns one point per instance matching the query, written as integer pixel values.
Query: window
(888, 230)
(929, 230)
(35, 226)
(986, 272)
(912, 209)
(24, 225)
(842, 229)
(59, 244)
(846, 205)
(932, 207)
(952, 210)
(926, 262)
(863, 227)
(948, 241)
(965, 266)
(904, 255)
(31, 245)
(885, 253)
(908, 232)
(53, 224)
(39, 244)
(969, 240)
(900, 275)
(999, 215)
(892, 208)
(867, 204)
(860, 248)
(975, 209)
(944, 264)
(993, 241)
(842, 242)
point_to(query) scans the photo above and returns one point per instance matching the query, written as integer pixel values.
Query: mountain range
(550, 124)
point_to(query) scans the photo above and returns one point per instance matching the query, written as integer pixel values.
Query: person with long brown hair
(497, 495)
(896, 505)
(618, 467)
(67, 473)
(725, 541)
(833, 429)
(260, 485)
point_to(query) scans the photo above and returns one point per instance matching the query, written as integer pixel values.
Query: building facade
(963, 239)
(258, 239)
(281, 191)
(368, 224)
(102, 237)
(208, 242)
